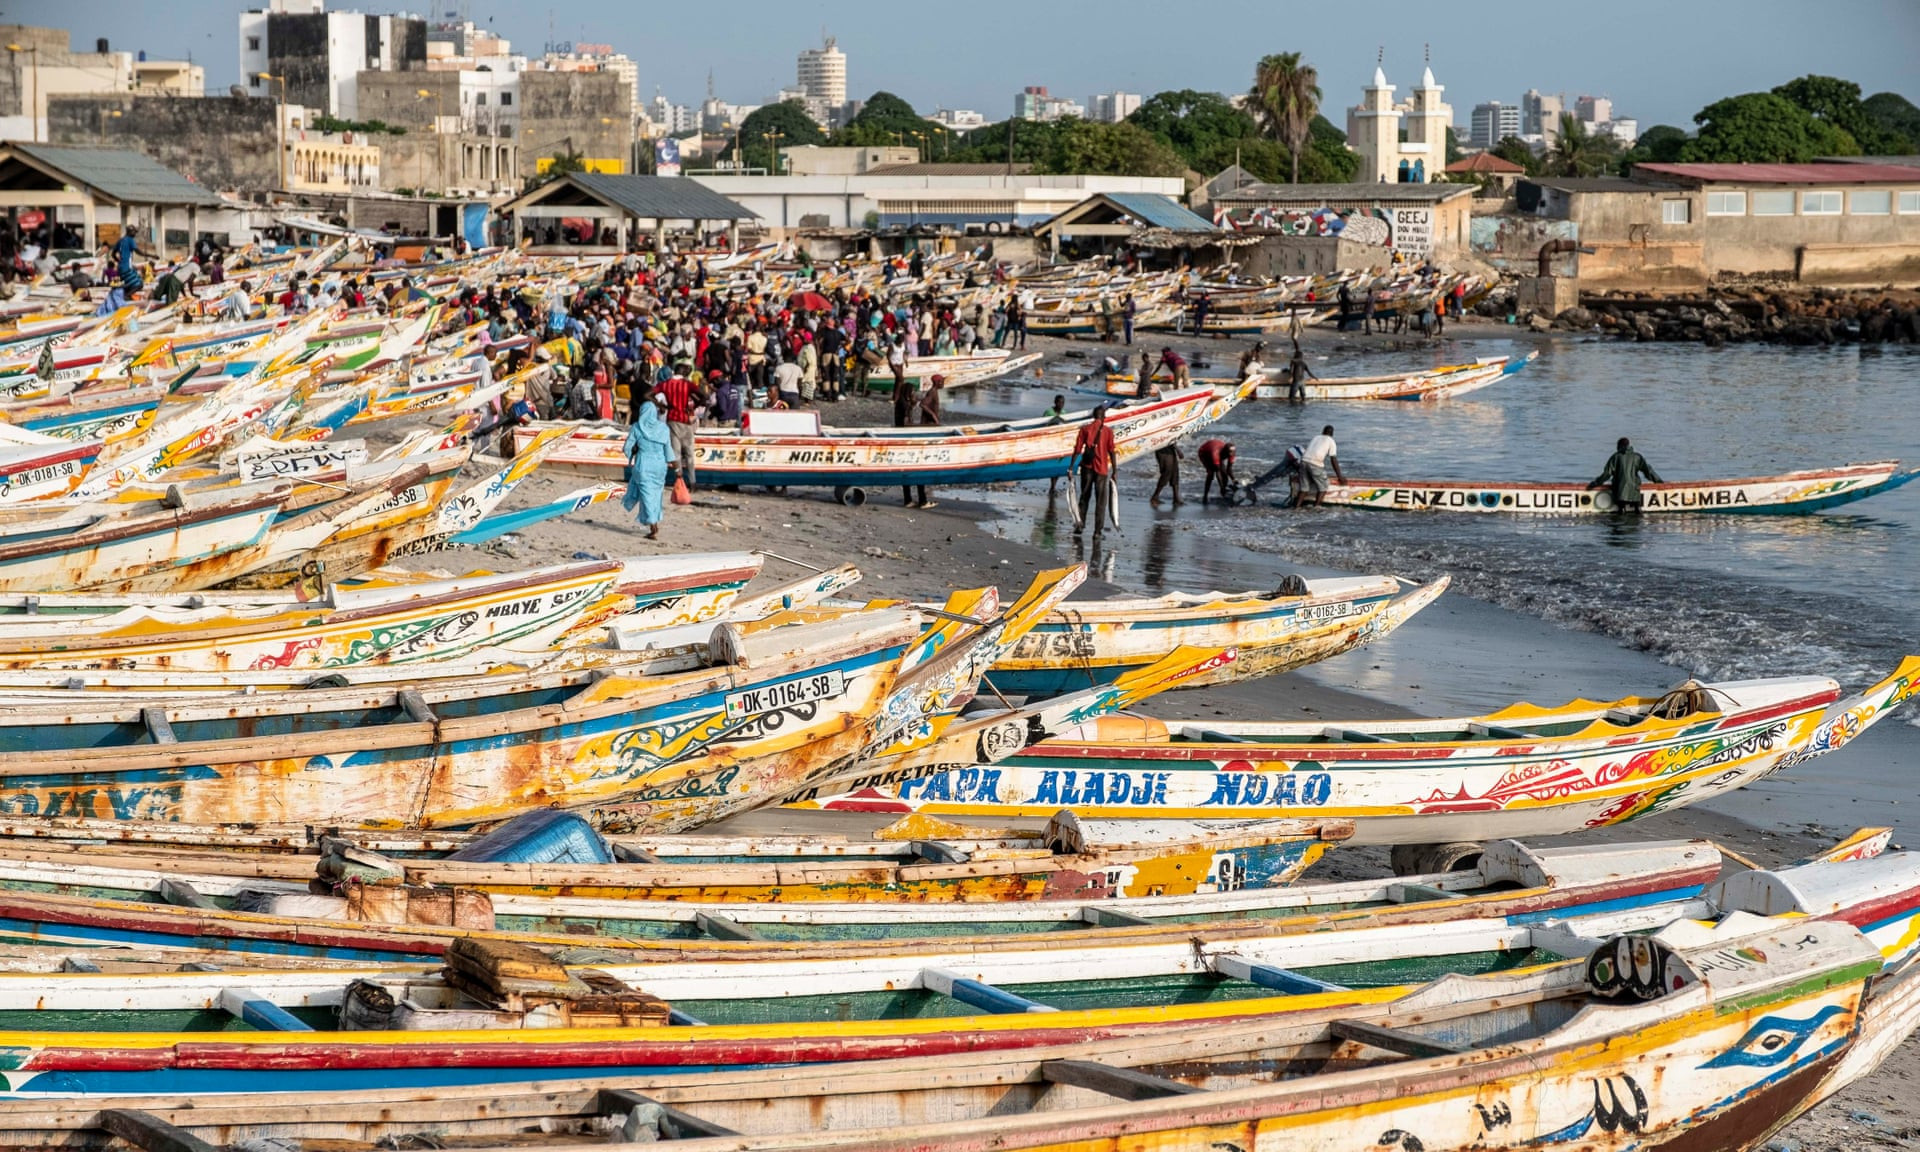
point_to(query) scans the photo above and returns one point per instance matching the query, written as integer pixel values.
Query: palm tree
(1578, 152)
(1284, 100)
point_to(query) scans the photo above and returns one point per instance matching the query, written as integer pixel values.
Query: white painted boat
(1787, 494)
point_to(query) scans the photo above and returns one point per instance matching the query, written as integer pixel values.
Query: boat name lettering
(820, 456)
(1516, 499)
(1074, 786)
(42, 474)
(1733, 753)
(1696, 498)
(517, 608)
(1272, 788)
(1329, 611)
(966, 786)
(1042, 645)
(159, 802)
(410, 495)
(786, 694)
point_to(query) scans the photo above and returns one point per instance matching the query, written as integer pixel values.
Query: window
(256, 80)
(1676, 211)
(1870, 202)
(479, 99)
(506, 99)
(1819, 203)
(1726, 203)
(1773, 203)
(1909, 202)
(253, 43)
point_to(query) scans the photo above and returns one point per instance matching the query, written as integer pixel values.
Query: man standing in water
(1622, 476)
(1321, 454)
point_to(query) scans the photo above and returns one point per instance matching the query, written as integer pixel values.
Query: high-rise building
(822, 76)
(1404, 142)
(318, 55)
(1593, 109)
(1540, 115)
(1034, 102)
(1493, 122)
(1112, 107)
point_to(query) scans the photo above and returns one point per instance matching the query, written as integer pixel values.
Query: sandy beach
(976, 537)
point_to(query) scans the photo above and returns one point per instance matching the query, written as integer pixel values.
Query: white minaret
(1427, 125)
(1373, 130)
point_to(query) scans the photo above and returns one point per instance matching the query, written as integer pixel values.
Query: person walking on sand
(1127, 310)
(1056, 415)
(1097, 453)
(679, 397)
(1176, 366)
(1297, 373)
(1216, 459)
(1622, 475)
(1322, 453)
(646, 450)
(1168, 458)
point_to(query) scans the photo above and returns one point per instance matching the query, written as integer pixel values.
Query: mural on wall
(1362, 226)
(1513, 242)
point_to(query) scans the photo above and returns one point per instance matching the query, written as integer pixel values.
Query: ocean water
(1549, 608)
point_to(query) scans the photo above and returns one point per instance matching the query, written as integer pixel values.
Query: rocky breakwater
(1799, 317)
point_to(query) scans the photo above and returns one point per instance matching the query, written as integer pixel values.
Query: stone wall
(593, 111)
(220, 142)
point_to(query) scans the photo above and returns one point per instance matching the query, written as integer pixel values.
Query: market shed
(49, 177)
(596, 213)
(1109, 217)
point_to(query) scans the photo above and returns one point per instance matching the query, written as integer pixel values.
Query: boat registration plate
(786, 694)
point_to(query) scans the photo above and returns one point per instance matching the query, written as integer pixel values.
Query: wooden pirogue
(836, 900)
(504, 1015)
(1787, 494)
(1752, 1030)
(672, 738)
(1521, 771)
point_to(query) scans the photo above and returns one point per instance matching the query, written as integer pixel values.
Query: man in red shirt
(1097, 454)
(1216, 456)
(681, 397)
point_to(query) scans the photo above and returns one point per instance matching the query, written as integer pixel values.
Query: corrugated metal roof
(1344, 193)
(1597, 184)
(1485, 162)
(119, 174)
(946, 168)
(1785, 173)
(648, 197)
(1157, 211)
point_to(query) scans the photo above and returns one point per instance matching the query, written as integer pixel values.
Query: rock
(1575, 317)
(1643, 330)
(1539, 323)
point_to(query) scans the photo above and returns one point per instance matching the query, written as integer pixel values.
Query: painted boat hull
(1789, 494)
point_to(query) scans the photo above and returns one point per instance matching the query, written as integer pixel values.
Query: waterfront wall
(221, 142)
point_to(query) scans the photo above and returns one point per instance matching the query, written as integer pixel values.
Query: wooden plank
(977, 994)
(722, 928)
(683, 1019)
(940, 853)
(259, 1011)
(626, 854)
(150, 1132)
(78, 964)
(1113, 918)
(1212, 736)
(1354, 736)
(157, 726)
(1393, 1040)
(179, 893)
(1418, 893)
(1120, 1083)
(416, 707)
(675, 1124)
(1499, 733)
(1268, 976)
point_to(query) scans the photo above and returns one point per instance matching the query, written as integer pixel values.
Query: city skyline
(1657, 79)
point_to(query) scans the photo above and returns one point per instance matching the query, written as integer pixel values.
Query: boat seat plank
(682, 1019)
(1623, 719)
(977, 994)
(627, 854)
(1120, 1083)
(940, 853)
(1353, 736)
(723, 928)
(1214, 736)
(1113, 918)
(1393, 1039)
(416, 707)
(674, 1124)
(150, 1132)
(259, 1011)
(1417, 893)
(1499, 732)
(1269, 976)
(181, 894)
(158, 726)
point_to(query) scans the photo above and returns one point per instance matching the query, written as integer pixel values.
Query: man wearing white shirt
(1321, 454)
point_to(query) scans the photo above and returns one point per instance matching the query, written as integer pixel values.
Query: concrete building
(345, 163)
(822, 80)
(942, 196)
(481, 151)
(88, 188)
(40, 66)
(317, 56)
(1493, 122)
(1683, 225)
(1419, 220)
(1593, 109)
(1404, 142)
(1034, 102)
(1540, 116)
(1493, 175)
(219, 142)
(1112, 107)
(819, 160)
(958, 119)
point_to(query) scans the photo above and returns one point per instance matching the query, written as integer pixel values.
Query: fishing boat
(1718, 1057)
(1787, 494)
(1429, 384)
(957, 371)
(506, 1015)
(852, 460)
(1521, 771)
(1094, 641)
(1104, 884)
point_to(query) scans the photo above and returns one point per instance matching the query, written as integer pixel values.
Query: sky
(1660, 61)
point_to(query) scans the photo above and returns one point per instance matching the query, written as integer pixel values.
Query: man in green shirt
(1622, 476)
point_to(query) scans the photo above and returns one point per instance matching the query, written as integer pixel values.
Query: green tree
(770, 128)
(1454, 151)
(1082, 146)
(1201, 126)
(885, 119)
(1896, 116)
(1515, 150)
(1328, 160)
(1284, 99)
(1837, 102)
(1660, 144)
(1763, 128)
(558, 164)
(1577, 152)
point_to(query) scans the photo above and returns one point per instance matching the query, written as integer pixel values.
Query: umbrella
(808, 302)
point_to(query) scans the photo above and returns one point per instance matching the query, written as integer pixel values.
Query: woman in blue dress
(646, 450)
